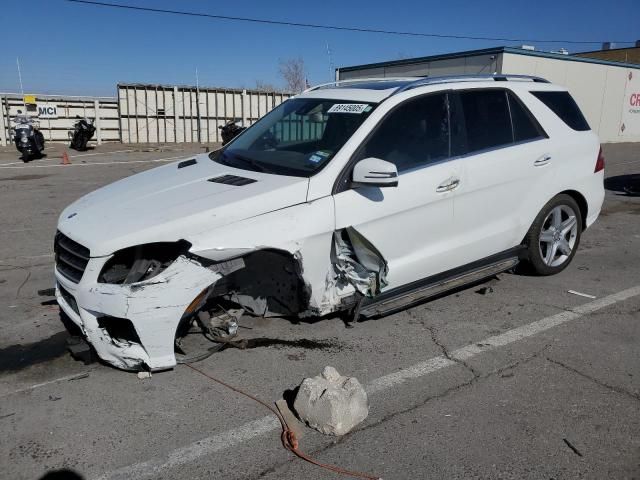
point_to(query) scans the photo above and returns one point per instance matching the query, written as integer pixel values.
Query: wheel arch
(582, 204)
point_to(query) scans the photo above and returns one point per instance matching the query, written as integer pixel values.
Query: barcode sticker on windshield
(348, 108)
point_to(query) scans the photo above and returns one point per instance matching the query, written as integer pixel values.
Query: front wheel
(554, 237)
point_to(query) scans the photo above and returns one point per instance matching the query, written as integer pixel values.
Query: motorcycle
(83, 130)
(231, 130)
(28, 139)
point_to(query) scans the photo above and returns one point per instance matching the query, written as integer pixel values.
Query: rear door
(504, 158)
(409, 224)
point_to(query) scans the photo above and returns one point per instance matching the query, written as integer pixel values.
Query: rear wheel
(554, 237)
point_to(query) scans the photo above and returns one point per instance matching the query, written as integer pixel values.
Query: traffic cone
(65, 159)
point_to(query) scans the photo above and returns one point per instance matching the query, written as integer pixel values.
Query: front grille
(71, 257)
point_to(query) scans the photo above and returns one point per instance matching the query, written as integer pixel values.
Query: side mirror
(374, 172)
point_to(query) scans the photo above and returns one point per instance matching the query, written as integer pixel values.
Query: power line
(335, 27)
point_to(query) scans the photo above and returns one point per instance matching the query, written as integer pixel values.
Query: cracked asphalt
(557, 403)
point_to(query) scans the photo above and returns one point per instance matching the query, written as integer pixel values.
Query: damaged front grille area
(120, 329)
(232, 180)
(70, 299)
(71, 257)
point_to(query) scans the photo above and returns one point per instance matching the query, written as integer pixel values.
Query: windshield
(297, 138)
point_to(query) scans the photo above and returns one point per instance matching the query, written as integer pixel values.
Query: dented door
(410, 224)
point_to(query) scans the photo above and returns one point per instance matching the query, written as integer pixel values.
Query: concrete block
(331, 403)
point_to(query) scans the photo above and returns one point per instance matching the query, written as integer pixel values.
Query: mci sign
(47, 111)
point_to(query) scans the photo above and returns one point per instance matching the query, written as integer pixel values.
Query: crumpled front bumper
(154, 308)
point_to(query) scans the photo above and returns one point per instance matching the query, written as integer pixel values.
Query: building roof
(626, 55)
(487, 51)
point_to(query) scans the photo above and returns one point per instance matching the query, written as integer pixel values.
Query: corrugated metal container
(161, 113)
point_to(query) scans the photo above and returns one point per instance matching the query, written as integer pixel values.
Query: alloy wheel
(558, 235)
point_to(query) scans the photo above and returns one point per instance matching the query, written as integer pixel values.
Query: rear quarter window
(525, 126)
(565, 107)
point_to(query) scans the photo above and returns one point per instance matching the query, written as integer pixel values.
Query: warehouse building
(608, 92)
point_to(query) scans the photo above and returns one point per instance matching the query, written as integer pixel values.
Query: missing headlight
(142, 262)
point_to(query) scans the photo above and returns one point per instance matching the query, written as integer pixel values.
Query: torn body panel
(289, 263)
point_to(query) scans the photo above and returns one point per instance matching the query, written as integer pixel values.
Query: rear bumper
(595, 198)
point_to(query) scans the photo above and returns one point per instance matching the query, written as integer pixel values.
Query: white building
(608, 92)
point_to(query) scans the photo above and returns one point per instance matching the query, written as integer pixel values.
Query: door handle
(543, 160)
(448, 185)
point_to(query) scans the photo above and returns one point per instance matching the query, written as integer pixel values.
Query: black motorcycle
(28, 139)
(230, 130)
(83, 130)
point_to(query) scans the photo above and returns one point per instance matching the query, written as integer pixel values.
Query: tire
(554, 236)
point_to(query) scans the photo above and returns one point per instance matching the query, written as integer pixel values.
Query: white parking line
(100, 153)
(93, 163)
(76, 376)
(73, 156)
(267, 424)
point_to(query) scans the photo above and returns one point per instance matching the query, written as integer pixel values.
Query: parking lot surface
(512, 378)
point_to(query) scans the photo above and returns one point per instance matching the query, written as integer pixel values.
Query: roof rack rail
(467, 78)
(358, 80)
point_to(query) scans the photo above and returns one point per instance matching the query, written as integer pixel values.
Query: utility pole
(20, 79)
(331, 68)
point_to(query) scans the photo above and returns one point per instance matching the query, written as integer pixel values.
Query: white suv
(362, 197)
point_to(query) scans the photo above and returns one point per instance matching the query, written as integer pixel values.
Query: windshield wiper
(250, 161)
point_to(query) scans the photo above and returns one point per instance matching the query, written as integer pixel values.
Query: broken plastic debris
(580, 294)
(485, 290)
(143, 375)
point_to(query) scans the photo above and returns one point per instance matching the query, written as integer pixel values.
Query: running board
(392, 302)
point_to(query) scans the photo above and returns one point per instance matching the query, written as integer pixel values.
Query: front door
(409, 224)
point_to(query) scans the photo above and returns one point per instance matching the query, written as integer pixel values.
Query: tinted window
(525, 127)
(486, 118)
(565, 107)
(414, 134)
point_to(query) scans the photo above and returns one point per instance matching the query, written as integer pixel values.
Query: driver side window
(413, 135)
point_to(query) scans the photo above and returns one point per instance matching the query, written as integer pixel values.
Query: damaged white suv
(362, 197)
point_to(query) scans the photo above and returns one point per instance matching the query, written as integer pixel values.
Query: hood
(168, 203)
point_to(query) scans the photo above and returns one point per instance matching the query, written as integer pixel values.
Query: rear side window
(565, 107)
(486, 118)
(525, 126)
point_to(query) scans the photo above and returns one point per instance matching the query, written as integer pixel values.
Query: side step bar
(391, 302)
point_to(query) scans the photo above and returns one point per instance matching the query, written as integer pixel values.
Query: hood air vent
(232, 180)
(187, 163)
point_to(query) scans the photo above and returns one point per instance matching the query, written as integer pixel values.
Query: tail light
(599, 162)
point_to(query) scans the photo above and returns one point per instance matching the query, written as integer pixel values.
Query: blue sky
(85, 50)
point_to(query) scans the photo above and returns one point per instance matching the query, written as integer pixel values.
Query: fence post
(175, 114)
(3, 132)
(96, 107)
(245, 116)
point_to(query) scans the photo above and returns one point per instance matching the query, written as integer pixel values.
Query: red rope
(288, 437)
